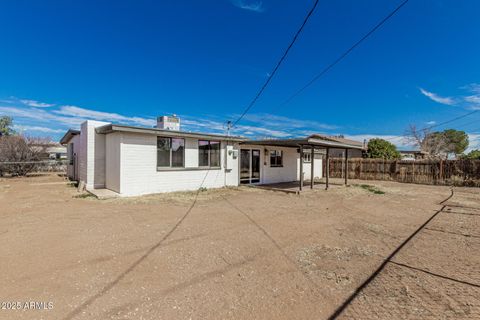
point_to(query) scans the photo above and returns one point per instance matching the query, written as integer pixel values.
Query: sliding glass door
(249, 166)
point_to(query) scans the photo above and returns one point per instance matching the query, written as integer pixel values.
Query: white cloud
(219, 127)
(73, 111)
(397, 140)
(262, 132)
(470, 101)
(474, 141)
(474, 99)
(435, 97)
(256, 6)
(431, 123)
(472, 87)
(36, 104)
(39, 115)
(37, 129)
(287, 123)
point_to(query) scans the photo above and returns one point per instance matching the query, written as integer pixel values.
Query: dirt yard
(348, 252)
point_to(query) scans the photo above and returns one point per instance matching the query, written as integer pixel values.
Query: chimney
(168, 123)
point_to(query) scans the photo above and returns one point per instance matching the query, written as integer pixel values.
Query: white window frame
(209, 165)
(277, 154)
(307, 157)
(171, 151)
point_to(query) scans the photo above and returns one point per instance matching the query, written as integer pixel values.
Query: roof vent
(168, 123)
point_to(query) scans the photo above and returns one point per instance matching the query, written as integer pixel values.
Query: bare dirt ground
(241, 253)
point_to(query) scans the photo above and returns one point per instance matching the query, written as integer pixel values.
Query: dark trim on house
(69, 135)
(166, 133)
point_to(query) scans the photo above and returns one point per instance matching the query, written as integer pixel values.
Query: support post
(346, 166)
(300, 186)
(312, 162)
(327, 168)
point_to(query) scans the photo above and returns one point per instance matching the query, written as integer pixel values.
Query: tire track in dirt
(134, 265)
(386, 261)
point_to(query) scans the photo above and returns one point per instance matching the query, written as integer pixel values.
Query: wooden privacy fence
(441, 172)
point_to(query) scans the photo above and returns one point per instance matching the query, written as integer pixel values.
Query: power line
(344, 54)
(452, 120)
(439, 124)
(259, 93)
(331, 65)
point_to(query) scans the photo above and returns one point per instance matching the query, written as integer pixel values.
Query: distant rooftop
(315, 140)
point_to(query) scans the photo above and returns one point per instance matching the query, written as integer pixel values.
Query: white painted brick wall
(82, 153)
(139, 175)
(281, 174)
(269, 174)
(91, 160)
(307, 169)
(72, 172)
(232, 176)
(112, 161)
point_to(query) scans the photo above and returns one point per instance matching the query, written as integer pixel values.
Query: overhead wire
(277, 66)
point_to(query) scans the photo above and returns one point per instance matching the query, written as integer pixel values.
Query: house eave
(307, 142)
(68, 136)
(167, 133)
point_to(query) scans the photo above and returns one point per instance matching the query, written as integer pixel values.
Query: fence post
(361, 169)
(441, 171)
(383, 177)
(413, 171)
(395, 175)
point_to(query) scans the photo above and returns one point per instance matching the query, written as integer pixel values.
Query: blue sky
(129, 61)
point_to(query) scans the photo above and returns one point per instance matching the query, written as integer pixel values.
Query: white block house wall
(307, 167)
(91, 155)
(132, 167)
(126, 162)
(289, 171)
(73, 148)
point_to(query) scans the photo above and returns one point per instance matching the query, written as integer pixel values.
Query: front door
(249, 166)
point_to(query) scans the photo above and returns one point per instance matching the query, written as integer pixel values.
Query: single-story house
(138, 160)
(412, 155)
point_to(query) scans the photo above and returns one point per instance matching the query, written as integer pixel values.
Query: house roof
(313, 140)
(338, 139)
(168, 133)
(69, 135)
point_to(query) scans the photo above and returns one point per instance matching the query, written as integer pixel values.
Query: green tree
(6, 126)
(456, 141)
(379, 148)
(474, 155)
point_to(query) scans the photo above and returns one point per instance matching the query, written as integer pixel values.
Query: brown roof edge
(310, 140)
(337, 139)
(169, 133)
(69, 135)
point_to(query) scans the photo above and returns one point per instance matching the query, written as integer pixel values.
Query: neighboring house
(353, 153)
(412, 155)
(50, 151)
(57, 152)
(136, 160)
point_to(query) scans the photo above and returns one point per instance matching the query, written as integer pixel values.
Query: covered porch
(311, 146)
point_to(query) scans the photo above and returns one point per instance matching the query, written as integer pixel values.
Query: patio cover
(312, 142)
(315, 140)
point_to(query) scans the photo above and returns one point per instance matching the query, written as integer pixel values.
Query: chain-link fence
(21, 168)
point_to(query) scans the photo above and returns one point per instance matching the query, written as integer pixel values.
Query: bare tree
(19, 155)
(433, 144)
